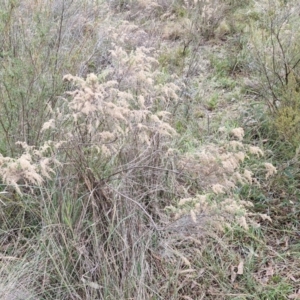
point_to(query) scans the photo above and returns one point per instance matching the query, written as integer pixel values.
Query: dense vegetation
(149, 149)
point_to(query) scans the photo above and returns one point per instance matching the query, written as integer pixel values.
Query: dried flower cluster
(218, 170)
(31, 168)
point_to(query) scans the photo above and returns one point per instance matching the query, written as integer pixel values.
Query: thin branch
(140, 206)
(286, 68)
(144, 167)
(274, 54)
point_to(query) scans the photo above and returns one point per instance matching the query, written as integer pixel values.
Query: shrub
(275, 46)
(112, 138)
(110, 125)
(40, 43)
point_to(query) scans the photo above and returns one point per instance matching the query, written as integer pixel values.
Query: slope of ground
(148, 169)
